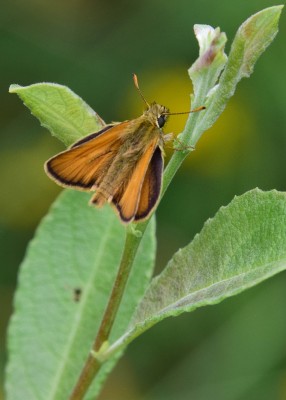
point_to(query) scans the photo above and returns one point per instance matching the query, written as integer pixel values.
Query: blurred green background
(235, 350)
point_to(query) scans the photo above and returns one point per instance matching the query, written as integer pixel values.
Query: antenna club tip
(135, 79)
(201, 108)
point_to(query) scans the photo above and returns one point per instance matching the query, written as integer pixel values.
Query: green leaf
(59, 110)
(241, 246)
(251, 40)
(244, 244)
(254, 36)
(76, 248)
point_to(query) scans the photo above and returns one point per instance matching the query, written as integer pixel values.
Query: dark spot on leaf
(77, 292)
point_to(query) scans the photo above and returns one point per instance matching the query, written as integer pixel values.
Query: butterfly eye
(161, 121)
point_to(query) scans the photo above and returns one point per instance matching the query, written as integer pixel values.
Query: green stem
(171, 169)
(92, 365)
(179, 156)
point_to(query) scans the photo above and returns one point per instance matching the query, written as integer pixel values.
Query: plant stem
(186, 137)
(92, 365)
(131, 245)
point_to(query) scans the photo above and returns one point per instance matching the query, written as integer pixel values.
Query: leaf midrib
(176, 304)
(70, 126)
(63, 120)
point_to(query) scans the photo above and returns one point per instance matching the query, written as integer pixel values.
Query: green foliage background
(235, 350)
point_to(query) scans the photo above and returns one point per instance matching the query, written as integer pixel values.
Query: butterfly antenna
(187, 112)
(135, 80)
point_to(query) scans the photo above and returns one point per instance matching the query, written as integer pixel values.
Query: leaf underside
(244, 244)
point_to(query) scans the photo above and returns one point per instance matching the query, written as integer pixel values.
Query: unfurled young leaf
(206, 69)
(251, 39)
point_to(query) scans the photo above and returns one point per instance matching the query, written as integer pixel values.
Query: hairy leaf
(244, 244)
(64, 283)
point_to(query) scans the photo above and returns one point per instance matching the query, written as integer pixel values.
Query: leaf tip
(14, 88)
(268, 16)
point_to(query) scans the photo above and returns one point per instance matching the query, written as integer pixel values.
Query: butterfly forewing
(83, 165)
(123, 164)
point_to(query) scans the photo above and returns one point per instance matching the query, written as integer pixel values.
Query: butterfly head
(157, 114)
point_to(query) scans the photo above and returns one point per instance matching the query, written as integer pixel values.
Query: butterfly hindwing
(127, 199)
(151, 187)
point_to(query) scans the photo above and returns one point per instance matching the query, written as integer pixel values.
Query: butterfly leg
(168, 137)
(180, 146)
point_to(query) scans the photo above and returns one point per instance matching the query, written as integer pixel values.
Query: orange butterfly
(122, 163)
